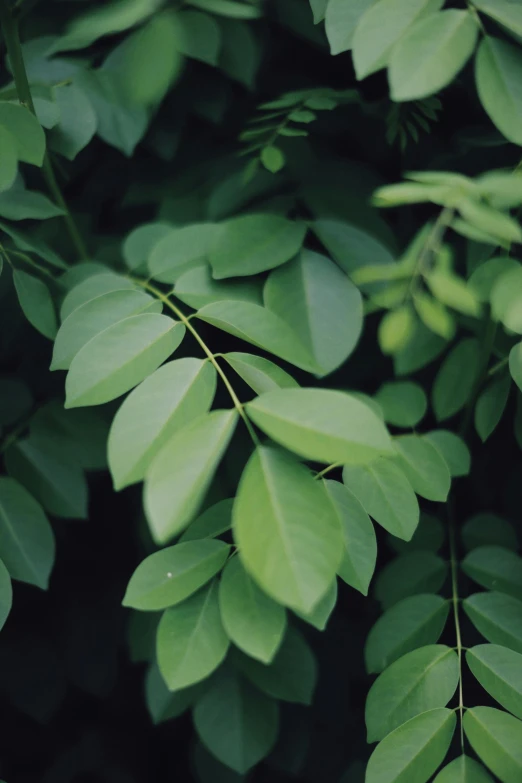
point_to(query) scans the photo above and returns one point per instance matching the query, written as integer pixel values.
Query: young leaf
(360, 544)
(496, 738)
(169, 576)
(385, 494)
(341, 20)
(6, 594)
(35, 300)
(424, 467)
(180, 250)
(463, 770)
(169, 399)
(253, 621)
(403, 403)
(182, 470)
(236, 722)
(413, 622)
(456, 378)
(287, 533)
(419, 681)
(499, 671)
(191, 641)
(498, 70)
(431, 54)
(250, 244)
(317, 300)
(25, 130)
(495, 568)
(26, 537)
(197, 288)
(320, 424)
(213, 522)
(120, 357)
(410, 574)
(498, 617)
(261, 374)
(414, 750)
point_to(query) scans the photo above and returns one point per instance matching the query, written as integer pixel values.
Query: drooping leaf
(36, 302)
(424, 467)
(236, 722)
(414, 750)
(495, 568)
(182, 470)
(320, 424)
(413, 622)
(169, 399)
(191, 641)
(385, 494)
(421, 680)
(287, 533)
(26, 537)
(496, 738)
(498, 617)
(120, 357)
(498, 69)
(499, 671)
(253, 621)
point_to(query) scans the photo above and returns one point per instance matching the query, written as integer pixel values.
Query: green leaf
(396, 329)
(19, 204)
(250, 244)
(95, 315)
(77, 124)
(431, 54)
(261, 327)
(8, 159)
(317, 300)
(90, 288)
(498, 617)
(385, 494)
(169, 576)
(34, 244)
(413, 622)
(236, 722)
(240, 56)
(261, 374)
(422, 348)
(36, 303)
(360, 544)
(349, 246)
(496, 738)
(56, 481)
(453, 449)
(191, 641)
(253, 621)
(495, 568)
(341, 20)
(120, 357)
(321, 424)
(213, 522)
(138, 245)
(318, 9)
(434, 315)
(26, 132)
(456, 378)
(515, 364)
(497, 224)
(498, 71)
(162, 404)
(463, 770)
(424, 467)
(162, 704)
(197, 288)
(403, 403)
(414, 750)
(26, 537)
(292, 674)
(410, 574)
(490, 406)
(6, 594)
(287, 533)
(181, 249)
(230, 8)
(486, 528)
(182, 470)
(499, 671)
(272, 158)
(320, 615)
(508, 15)
(421, 680)
(484, 278)
(429, 536)
(453, 292)
(506, 295)
(381, 27)
(79, 435)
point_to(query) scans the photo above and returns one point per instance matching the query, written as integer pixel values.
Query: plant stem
(455, 603)
(328, 468)
(9, 24)
(186, 321)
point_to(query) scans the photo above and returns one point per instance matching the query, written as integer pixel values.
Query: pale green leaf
(495, 568)
(496, 738)
(421, 680)
(260, 374)
(422, 348)
(272, 158)
(341, 20)
(169, 576)
(486, 275)
(403, 403)
(120, 357)
(498, 72)
(498, 617)
(424, 467)
(197, 288)
(90, 287)
(286, 531)
(36, 303)
(507, 14)
(453, 292)
(506, 298)
(162, 404)
(253, 621)
(191, 641)
(456, 378)
(497, 224)
(322, 612)
(181, 249)
(412, 623)
(434, 315)
(26, 537)
(396, 329)
(182, 470)
(499, 671)
(453, 449)
(139, 244)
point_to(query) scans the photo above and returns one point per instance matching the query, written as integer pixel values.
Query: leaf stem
(9, 24)
(455, 603)
(498, 366)
(212, 358)
(328, 468)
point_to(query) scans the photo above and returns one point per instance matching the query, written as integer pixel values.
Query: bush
(261, 314)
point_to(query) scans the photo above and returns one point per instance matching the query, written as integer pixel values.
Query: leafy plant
(268, 361)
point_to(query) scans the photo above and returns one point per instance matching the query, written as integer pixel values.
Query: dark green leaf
(499, 671)
(498, 617)
(496, 738)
